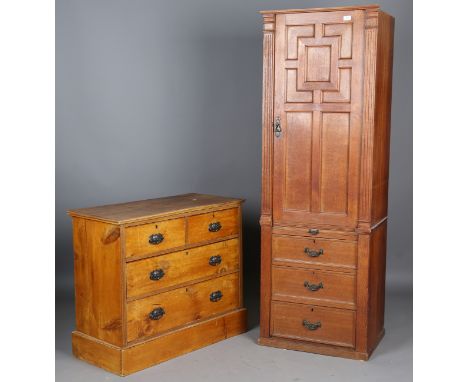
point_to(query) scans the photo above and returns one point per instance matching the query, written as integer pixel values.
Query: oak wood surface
(337, 289)
(137, 237)
(182, 267)
(98, 286)
(152, 208)
(370, 7)
(316, 156)
(325, 172)
(336, 325)
(181, 306)
(329, 254)
(198, 225)
(313, 347)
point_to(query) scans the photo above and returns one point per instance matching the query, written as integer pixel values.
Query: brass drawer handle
(214, 227)
(156, 238)
(216, 296)
(312, 253)
(313, 287)
(313, 231)
(215, 260)
(156, 314)
(311, 325)
(156, 274)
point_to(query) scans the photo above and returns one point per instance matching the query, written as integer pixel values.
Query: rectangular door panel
(298, 147)
(334, 169)
(318, 98)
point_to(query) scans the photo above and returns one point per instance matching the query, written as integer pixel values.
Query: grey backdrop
(157, 98)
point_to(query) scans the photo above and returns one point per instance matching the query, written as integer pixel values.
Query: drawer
(314, 287)
(150, 275)
(149, 238)
(313, 323)
(304, 252)
(164, 311)
(212, 225)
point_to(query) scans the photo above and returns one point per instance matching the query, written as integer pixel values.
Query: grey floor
(241, 359)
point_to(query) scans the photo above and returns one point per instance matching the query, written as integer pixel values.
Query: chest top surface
(146, 209)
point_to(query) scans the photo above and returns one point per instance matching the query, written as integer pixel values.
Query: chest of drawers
(155, 279)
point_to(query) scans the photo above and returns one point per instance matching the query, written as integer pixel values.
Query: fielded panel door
(318, 103)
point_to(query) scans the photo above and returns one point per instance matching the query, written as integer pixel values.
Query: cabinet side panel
(267, 171)
(98, 283)
(365, 195)
(378, 246)
(383, 99)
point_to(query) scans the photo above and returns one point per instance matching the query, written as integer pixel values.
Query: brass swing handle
(313, 287)
(313, 253)
(311, 325)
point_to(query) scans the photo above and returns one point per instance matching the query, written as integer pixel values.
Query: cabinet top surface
(370, 7)
(146, 209)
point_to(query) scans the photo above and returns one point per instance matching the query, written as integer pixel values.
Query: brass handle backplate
(157, 313)
(277, 127)
(313, 253)
(313, 287)
(311, 325)
(215, 260)
(214, 227)
(157, 274)
(216, 296)
(156, 238)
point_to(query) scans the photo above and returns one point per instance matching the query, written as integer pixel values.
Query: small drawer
(156, 314)
(154, 237)
(150, 275)
(314, 287)
(304, 252)
(313, 323)
(213, 225)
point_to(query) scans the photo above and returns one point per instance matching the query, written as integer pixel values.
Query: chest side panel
(98, 280)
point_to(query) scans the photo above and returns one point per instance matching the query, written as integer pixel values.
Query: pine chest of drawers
(155, 279)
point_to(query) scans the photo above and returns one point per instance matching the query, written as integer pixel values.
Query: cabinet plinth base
(127, 360)
(311, 347)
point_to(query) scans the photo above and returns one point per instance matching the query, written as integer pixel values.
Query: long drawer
(153, 274)
(310, 252)
(313, 323)
(152, 315)
(314, 287)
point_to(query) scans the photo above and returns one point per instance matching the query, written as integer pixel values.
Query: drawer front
(149, 238)
(155, 314)
(150, 275)
(314, 287)
(213, 225)
(296, 251)
(313, 323)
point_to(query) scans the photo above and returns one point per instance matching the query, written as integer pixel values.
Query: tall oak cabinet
(327, 77)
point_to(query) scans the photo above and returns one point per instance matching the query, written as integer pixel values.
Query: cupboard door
(318, 101)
